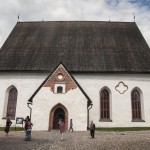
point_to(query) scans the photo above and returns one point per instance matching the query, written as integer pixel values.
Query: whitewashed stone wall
(121, 103)
(74, 100)
(25, 84)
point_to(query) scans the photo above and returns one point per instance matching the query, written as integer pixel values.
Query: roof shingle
(83, 46)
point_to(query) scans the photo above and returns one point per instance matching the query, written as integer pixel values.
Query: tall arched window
(12, 101)
(136, 105)
(104, 105)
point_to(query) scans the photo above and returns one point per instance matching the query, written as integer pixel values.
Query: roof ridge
(76, 21)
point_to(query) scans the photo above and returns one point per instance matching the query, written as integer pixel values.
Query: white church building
(80, 70)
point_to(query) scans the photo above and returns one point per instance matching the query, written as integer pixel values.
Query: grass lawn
(97, 129)
(13, 129)
(124, 129)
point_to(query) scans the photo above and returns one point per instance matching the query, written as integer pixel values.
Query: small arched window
(104, 104)
(136, 105)
(59, 89)
(12, 102)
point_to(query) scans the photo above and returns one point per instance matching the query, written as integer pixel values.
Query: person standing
(61, 128)
(7, 127)
(71, 125)
(92, 129)
(28, 128)
(59, 121)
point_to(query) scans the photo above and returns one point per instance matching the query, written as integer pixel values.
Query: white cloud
(38, 10)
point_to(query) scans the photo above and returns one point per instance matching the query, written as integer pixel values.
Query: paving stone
(42, 140)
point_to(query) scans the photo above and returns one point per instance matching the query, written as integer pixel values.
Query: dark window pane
(136, 104)
(104, 102)
(59, 89)
(12, 100)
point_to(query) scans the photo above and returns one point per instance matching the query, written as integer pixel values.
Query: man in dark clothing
(92, 129)
(71, 125)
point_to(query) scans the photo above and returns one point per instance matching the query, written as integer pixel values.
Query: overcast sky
(99, 10)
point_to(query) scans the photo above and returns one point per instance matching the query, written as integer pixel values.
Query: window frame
(63, 88)
(105, 105)
(12, 103)
(137, 105)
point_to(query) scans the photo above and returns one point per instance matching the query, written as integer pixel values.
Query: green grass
(124, 129)
(97, 129)
(13, 129)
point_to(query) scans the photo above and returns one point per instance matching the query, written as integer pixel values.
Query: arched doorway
(58, 112)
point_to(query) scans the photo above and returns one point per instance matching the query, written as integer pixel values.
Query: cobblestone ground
(76, 141)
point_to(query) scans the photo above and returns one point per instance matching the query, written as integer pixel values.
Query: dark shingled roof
(83, 46)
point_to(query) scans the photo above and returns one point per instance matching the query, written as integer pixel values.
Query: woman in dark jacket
(7, 127)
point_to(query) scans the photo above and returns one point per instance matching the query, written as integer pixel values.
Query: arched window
(136, 105)
(12, 101)
(104, 105)
(59, 89)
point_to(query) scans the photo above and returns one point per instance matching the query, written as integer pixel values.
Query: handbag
(29, 129)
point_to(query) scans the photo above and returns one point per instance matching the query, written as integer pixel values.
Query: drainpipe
(29, 103)
(88, 116)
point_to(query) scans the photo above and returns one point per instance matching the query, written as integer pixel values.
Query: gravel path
(42, 140)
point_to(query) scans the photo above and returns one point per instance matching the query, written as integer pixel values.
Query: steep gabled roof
(89, 102)
(83, 46)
